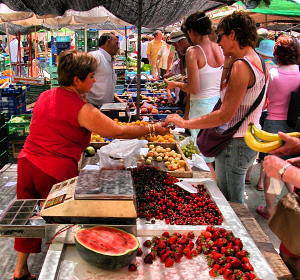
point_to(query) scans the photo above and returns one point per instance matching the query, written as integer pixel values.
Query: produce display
(223, 251)
(172, 160)
(189, 149)
(159, 199)
(263, 141)
(106, 247)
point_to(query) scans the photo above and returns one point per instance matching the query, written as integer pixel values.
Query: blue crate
(62, 39)
(14, 90)
(10, 111)
(133, 73)
(12, 101)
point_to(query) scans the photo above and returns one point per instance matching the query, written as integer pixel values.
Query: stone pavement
(8, 180)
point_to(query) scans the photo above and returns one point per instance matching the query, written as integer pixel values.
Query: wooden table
(261, 240)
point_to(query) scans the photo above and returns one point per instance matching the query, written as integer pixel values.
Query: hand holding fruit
(161, 128)
(175, 119)
(272, 164)
(170, 84)
(291, 146)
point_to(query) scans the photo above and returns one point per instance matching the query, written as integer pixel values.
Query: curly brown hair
(244, 27)
(286, 50)
(74, 63)
(199, 22)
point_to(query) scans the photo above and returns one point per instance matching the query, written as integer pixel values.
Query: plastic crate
(3, 158)
(19, 131)
(17, 89)
(10, 111)
(12, 101)
(133, 73)
(62, 39)
(3, 145)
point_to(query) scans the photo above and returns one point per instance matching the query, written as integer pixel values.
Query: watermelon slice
(106, 247)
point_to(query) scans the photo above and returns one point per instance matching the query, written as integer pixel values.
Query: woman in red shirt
(60, 130)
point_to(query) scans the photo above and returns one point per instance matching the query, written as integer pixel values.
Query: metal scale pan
(22, 219)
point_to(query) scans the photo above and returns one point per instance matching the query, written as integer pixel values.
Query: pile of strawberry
(159, 199)
(224, 252)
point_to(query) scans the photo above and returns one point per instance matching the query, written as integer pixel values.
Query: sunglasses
(219, 37)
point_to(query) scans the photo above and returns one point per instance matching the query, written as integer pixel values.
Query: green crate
(19, 131)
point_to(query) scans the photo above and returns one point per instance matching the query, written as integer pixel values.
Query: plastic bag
(120, 154)
(275, 186)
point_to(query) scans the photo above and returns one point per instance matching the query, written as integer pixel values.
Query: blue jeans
(231, 167)
(199, 108)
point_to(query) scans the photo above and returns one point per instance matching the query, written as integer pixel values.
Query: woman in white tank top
(242, 81)
(204, 61)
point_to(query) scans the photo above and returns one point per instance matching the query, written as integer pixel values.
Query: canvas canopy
(154, 13)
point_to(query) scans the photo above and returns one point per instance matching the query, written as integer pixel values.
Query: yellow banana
(259, 146)
(270, 137)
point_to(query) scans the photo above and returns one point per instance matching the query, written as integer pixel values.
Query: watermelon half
(106, 247)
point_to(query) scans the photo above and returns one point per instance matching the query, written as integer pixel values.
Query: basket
(19, 131)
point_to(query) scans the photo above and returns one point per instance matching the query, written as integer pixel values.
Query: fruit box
(19, 131)
(188, 173)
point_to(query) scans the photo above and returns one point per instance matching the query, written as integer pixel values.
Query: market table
(63, 261)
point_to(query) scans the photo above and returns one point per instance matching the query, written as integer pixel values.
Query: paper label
(187, 187)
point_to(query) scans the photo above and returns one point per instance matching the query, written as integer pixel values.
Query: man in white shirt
(13, 45)
(103, 90)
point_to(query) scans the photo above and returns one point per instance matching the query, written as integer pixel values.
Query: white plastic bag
(120, 154)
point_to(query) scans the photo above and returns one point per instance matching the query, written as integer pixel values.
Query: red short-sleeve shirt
(56, 140)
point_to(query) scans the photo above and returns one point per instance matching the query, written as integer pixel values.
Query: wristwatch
(282, 170)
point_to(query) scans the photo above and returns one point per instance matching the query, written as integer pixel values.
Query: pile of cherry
(159, 199)
(224, 252)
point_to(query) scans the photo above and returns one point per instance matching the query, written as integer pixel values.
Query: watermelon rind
(106, 260)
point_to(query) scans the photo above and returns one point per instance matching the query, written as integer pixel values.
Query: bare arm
(272, 165)
(95, 121)
(240, 77)
(170, 61)
(193, 84)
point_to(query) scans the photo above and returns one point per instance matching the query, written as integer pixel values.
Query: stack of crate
(59, 44)
(92, 40)
(13, 100)
(3, 141)
(54, 76)
(17, 132)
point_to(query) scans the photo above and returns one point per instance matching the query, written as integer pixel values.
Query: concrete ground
(8, 178)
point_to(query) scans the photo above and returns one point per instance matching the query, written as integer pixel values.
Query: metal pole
(8, 46)
(126, 47)
(85, 38)
(138, 76)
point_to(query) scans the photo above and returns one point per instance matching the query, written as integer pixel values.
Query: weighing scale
(118, 111)
(105, 197)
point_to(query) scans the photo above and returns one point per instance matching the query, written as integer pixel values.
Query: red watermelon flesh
(106, 247)
(106, 240)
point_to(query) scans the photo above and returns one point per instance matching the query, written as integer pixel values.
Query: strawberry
(226, 273)
(247, 267)
(132, 267)
(216, 235)
(161, 244)
(183, 240)
(238, 242)
(236, 263)
(241, 254)
(163, 257)
(166, 234)
(220, 242)
(152, 254)
(139, 252)
(217, 256)
(169, 262)
(214, 272)
(190, 235)
(148, 259)
(172, 240)
(189, 254)
(245, 260)
(147, 243)
(232, 277)
(161, 252)
(251, 276)
(244, 277)
(177, 257)
(216, 266)
(207, 234)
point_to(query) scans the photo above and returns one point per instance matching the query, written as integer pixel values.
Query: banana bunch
(262, 141)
